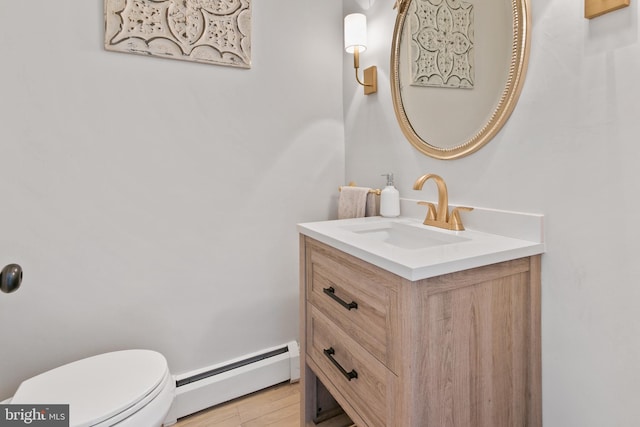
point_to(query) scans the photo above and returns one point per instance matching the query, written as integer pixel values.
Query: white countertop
(471, 248)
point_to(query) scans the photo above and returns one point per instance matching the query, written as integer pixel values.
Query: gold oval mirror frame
(463, 113)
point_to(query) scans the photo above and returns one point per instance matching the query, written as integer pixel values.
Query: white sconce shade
(355, 32)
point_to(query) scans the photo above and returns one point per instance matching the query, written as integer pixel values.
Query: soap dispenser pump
(389, 199)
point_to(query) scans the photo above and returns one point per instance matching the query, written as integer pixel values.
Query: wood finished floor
(277, 406)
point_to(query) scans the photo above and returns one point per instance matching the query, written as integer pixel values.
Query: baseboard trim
(233, 383)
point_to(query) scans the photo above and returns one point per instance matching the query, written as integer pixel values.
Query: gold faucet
(439, 217)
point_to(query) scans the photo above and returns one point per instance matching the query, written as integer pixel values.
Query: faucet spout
(441, 217)
(442, 211)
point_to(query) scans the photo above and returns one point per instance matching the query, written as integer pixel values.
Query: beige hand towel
(352, 202)
(373, 205)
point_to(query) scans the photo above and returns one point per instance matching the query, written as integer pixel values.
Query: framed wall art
(209, 31)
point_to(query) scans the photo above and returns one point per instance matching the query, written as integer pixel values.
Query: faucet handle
(431, 211)
(455, 223)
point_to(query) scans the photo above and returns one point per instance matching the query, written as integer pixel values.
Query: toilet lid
(99, 387)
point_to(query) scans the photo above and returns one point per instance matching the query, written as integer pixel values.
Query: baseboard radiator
(213, 385)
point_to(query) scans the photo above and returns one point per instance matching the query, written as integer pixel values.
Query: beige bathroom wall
(152, 203)
(570, 151)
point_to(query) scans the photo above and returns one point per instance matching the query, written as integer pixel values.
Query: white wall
(569, 151)
(152, 203)
(137, 191)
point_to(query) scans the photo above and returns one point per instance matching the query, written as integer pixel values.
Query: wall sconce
(355, 41)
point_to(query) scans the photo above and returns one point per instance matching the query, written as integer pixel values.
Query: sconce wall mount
(595, 8)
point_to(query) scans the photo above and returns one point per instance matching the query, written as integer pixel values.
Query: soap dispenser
(389, 199)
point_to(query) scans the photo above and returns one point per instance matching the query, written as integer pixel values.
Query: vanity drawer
(360, 298)
(352, 371)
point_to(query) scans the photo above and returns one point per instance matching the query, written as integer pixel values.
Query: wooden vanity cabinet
(461, 349)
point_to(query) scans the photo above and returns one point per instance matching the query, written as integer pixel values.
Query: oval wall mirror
(457, 69)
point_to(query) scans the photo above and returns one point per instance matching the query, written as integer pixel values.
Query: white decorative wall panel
(442, 43)
(211, 31)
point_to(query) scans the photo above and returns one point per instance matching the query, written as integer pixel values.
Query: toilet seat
(101, 390)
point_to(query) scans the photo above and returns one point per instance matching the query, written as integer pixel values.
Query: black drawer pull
(332, 293)
(329, 352)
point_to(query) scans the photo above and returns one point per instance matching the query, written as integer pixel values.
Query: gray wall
(152, 203)
(569, 151)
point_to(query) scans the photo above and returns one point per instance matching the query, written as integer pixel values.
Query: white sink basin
(412, 250)
(406, 236)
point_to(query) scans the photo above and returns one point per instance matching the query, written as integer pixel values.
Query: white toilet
(130, 388)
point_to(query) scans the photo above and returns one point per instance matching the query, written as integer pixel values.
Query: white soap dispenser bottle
(389, 199)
